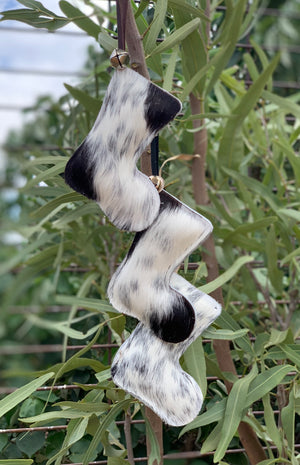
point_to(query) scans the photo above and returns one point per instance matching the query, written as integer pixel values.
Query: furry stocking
(103, 168)
(141, 285)
(149, 369)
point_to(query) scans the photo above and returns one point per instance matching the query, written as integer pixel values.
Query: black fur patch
(79, 172)
(177, 325)
(167, 201)
(160, 108)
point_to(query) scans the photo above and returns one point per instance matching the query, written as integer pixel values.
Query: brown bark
(138, 63)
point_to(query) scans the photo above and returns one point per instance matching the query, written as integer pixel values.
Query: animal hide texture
(141, 285)
(149, 369)
(172, 312)
(103, 168)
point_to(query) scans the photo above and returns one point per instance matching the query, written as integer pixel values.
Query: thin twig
(128, 437)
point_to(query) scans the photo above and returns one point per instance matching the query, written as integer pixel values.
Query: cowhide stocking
(103, 168)
(141, 285)
(149, 369)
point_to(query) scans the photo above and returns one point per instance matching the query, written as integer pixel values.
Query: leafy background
(53, 284)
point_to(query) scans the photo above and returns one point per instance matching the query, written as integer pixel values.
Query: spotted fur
(141, 285)
(103, 168)
(149, 369)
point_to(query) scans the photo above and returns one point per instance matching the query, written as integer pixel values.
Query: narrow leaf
(226, 154)
(176, 37)
(22, 393)
(80, 19)
(16, 462)
(156, 25)
(265, 382)
(234, 412)
(271, 425)
(227, 275)
(89, 103)
(212, 415)
(195, 363)
(115, 410)
(224, 334)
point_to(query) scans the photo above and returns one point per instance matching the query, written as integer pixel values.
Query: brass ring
(158, 181)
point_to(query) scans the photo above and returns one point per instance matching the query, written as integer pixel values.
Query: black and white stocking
(149, 369)
(103, 168)
(141, 285)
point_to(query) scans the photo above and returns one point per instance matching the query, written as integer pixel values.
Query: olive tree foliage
(70, 250)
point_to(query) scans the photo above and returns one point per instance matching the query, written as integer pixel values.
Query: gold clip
(158, 181)
(118, 58)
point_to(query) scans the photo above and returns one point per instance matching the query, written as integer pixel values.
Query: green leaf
(234, 412)
(88, 208)
(16, 462)
(46, 175)
(170, 70)
(117, 460)
(16, 397)
(155, 456)
(80, 19)
(76, 430)
(45, 418)
(276, 337)
(103, 375)
(35, 15)
(224, 334)
(30, 442)
(215, 413)
(285, 104)
(225, 321)
(156, 25)
(194, 53)
(265, 382)
(61, 199)
(271, 425)
(62, 327)
(226, 155)
(24, 252)
(289, 213)
(176, 37)
(252, 227)
(107, 42)
(288, 420)
(86, 407)
(115, 410)
(227, 275)
(290, 256)
(195, 363)
(98, 305)
(256, 187)
(229, 41)
(190, 86)
(186, 7)
(89, 103)
(213, 439)
(275, 275)
(291, 354)
(272, 461)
